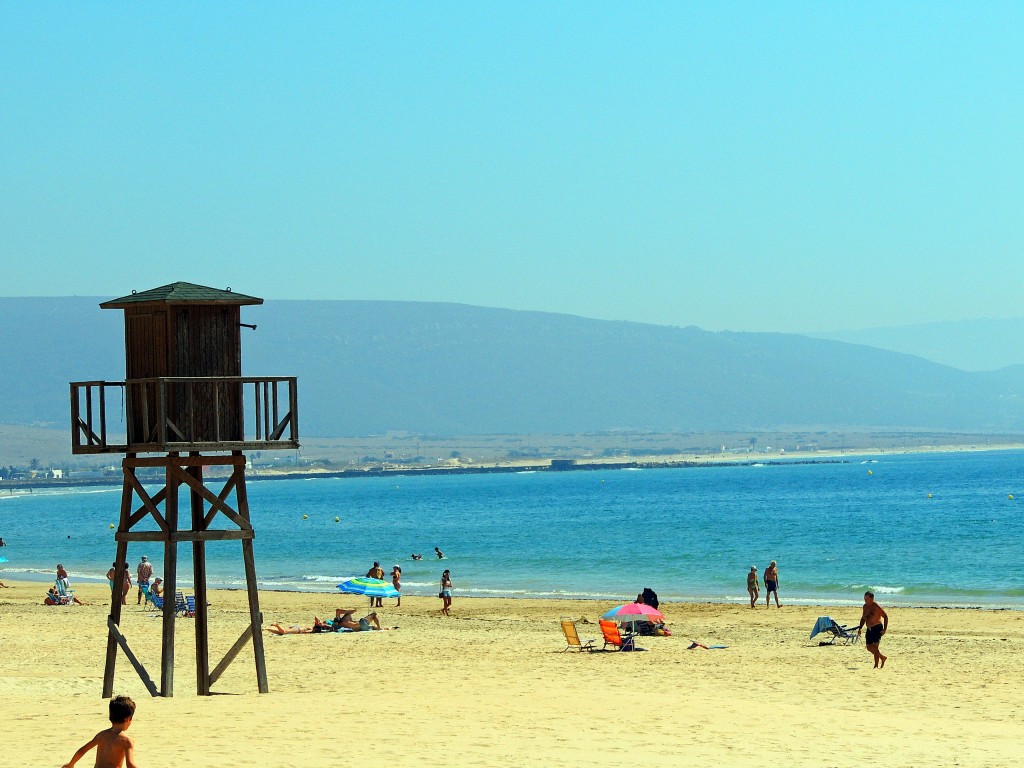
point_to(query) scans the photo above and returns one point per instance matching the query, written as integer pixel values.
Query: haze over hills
(972, 345)
(366, 367)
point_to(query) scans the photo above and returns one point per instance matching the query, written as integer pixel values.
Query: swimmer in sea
(439, 553)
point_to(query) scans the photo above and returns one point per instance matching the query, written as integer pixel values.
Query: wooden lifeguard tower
(184, 397)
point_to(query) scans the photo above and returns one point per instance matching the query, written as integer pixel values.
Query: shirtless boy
(877, 621)
(114, 747)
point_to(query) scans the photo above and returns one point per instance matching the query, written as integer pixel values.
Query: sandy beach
(489, 687)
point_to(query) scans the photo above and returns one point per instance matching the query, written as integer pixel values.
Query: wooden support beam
(229, 486)
(103, 415)
(76, 435)
(179, 537)
(187, 461)
(255, 617)
(93, 438)
(115, 632)
(116, 592)
(186, 471)
(148, 503)
(175, 430)
(279, 429)
(216, 503)
(293, 408)
(199, 571)
(231, 654)
(170, 586)
(149, 508)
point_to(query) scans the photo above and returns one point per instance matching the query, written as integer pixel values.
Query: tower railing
(183, 413)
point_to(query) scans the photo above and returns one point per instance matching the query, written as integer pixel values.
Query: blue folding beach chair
(835, 631)
(185, 604)
(66, 595)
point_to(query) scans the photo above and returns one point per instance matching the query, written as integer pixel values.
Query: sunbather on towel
(318, 627)
(343, 617)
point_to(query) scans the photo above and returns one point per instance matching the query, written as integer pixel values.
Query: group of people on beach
(114, 747)
(145, 583)
(873, 616)
(60, 593)
(376, 572)
(444, 592)
(771, 585)
(342, 621)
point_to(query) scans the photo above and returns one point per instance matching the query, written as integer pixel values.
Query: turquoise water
(690, 534)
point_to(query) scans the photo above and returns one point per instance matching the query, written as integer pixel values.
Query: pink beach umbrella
(633, 612)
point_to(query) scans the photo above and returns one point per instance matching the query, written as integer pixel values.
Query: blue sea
(918, 529)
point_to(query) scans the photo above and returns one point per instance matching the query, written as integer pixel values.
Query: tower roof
(181, 293)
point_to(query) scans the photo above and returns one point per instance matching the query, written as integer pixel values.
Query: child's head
(122, 708)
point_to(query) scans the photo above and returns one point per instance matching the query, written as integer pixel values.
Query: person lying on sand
(343, 617)
(294, 629)
(342, 620)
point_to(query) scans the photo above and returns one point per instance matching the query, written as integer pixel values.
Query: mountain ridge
(376, 366)
(964, 344)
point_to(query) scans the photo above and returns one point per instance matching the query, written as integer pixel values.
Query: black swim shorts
(874, 635)
(771, 586)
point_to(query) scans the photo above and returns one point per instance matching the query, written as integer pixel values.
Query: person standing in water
(771, 585)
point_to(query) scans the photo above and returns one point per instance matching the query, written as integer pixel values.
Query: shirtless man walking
(771, 585)
(144, 572)
(877, 621)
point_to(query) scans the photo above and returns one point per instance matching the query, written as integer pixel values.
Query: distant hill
(367, 367)
(971, 345)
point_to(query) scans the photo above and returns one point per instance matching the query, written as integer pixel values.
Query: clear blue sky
(750, 166)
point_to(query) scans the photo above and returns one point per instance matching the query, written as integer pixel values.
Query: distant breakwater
(555, 465)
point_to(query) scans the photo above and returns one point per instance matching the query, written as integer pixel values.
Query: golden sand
(489, 687)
